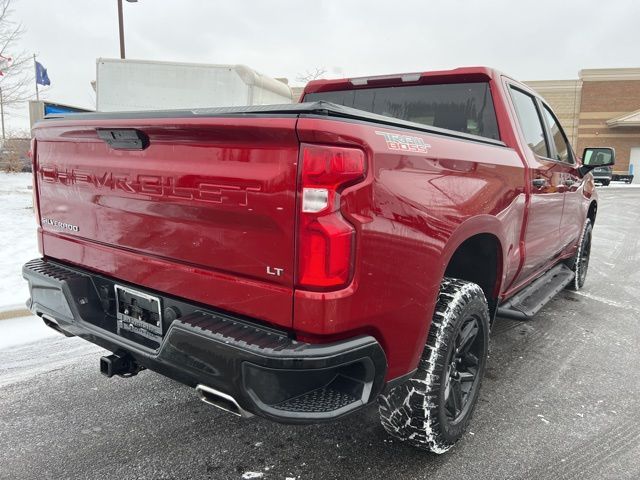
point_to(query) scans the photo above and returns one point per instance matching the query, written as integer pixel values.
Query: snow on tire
(580, 262)
(432, 409)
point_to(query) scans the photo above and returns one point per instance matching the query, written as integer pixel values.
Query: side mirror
(597, 157)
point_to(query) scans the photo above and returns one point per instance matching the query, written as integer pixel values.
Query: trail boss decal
(405, 143)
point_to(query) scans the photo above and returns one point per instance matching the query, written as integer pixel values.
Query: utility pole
(35, 69)
(121, 26)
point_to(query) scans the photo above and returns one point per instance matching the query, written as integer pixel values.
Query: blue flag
(41, 75)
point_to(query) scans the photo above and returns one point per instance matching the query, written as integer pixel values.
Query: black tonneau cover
(319, 108)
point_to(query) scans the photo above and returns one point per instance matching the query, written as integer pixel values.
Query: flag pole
(35, 69)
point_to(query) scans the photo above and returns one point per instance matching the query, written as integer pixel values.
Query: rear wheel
(580, 262)
(606, 183)
(431, 410)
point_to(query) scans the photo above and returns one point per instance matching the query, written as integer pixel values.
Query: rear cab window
(462, 107)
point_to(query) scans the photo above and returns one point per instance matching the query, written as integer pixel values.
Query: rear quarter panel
(410, 215)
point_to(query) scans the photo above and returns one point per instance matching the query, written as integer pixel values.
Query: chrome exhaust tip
(225, 402)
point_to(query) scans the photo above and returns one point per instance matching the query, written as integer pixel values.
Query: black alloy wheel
(463, 368)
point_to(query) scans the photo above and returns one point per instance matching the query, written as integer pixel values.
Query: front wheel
(432, 409)
(579, 263)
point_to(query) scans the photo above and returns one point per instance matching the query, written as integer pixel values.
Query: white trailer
(134, 85)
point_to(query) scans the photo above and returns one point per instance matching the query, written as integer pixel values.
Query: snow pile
(18, 243)
(613, 185)
(18, 331)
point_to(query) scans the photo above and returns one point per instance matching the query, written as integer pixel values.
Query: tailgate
(205, 211)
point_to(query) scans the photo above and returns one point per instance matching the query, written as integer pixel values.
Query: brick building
(599, 109)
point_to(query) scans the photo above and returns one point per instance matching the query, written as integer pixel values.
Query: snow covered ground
(635, 184)
(23, 330)
(18, 242)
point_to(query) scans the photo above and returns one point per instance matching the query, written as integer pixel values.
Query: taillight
(325, 239)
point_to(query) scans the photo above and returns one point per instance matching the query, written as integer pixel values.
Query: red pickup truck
(299, 262)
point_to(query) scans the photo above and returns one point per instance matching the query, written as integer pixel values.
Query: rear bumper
(265, 371)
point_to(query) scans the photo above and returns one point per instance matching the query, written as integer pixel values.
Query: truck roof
(456, 75)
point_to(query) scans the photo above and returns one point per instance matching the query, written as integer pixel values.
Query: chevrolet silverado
(300, 262)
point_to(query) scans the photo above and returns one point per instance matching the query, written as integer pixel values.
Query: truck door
(542, 235)
(570, 181)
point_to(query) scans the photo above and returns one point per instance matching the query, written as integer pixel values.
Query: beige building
(599, 109)
(564, 98)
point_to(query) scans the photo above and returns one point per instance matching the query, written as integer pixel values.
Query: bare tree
(14, 156)
(18, 77)
(311, 75)
(12, 161)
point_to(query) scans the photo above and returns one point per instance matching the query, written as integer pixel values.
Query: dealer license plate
(139, 313)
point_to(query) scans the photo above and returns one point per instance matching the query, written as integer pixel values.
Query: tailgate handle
(124, 138)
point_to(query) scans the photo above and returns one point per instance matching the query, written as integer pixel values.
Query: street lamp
(121, 25)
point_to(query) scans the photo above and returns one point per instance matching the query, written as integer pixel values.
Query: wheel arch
(475, 253)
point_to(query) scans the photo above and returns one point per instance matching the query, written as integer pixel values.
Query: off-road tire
(579, 263)
(415, 411)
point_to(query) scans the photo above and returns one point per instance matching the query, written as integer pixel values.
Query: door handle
(539, 182)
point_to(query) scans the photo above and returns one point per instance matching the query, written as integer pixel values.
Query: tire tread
(409, 412)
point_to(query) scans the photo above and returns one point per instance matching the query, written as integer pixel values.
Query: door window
(563, 150)
(530, 122)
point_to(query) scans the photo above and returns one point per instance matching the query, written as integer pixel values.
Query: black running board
(530, 300)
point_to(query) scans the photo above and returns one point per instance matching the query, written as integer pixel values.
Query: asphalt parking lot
(561, 400)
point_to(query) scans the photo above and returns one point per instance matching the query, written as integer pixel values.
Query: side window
(563, 151)
(530, 122)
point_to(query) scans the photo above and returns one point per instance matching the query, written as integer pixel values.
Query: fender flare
(480, 224)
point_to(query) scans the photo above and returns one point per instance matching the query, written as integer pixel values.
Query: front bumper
(265, 371)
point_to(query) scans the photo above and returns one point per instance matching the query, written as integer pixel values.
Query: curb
(15, 313)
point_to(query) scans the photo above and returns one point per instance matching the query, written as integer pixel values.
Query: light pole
(121, 26)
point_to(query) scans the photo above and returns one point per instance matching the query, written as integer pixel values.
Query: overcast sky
(530, 40)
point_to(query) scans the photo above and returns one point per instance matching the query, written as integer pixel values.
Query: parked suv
(602, 175)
